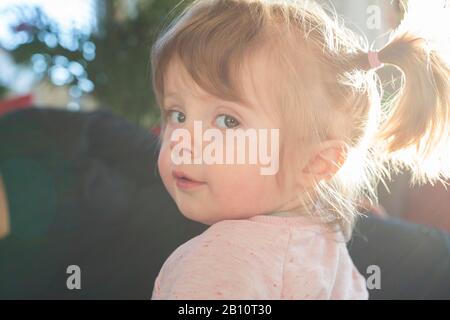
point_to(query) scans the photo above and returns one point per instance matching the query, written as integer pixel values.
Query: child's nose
(193, 143)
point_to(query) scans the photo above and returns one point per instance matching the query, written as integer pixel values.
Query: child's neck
(286, 214)
(296, 211)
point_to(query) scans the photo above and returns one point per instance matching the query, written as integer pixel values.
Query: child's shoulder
(242, 230)
(235, 247)
(230, 237)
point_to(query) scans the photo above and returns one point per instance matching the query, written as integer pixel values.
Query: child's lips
(183, 181)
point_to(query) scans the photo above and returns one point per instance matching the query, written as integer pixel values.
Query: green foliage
(121, 68)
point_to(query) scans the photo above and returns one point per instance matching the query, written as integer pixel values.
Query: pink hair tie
(374, 61)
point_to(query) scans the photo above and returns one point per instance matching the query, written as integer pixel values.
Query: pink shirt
(263, 257)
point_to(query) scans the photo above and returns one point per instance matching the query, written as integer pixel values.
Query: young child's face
(214, 192)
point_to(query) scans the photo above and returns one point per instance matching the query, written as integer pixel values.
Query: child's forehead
(255, 80)
(178, 83)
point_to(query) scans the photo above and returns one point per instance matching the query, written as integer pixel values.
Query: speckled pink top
(263, 257)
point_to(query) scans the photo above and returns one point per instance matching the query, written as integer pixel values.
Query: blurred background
(79, 165)
(85, 54)
(81, 54)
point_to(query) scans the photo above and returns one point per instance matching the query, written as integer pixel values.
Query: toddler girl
(243, 65)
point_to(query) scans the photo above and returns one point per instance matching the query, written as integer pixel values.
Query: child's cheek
(234, 185)
(164, 166)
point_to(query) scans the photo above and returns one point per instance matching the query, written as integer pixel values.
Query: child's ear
(325, 160)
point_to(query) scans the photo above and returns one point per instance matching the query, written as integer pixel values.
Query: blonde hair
(340, 98)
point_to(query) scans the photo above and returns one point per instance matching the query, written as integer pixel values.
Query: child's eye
(226, 122)
(175, 116)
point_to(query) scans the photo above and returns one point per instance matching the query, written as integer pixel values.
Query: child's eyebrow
(167, 96)
(226, 102)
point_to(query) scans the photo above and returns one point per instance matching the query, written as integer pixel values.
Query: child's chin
(197, 216)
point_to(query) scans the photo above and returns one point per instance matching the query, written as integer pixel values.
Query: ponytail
(416, 131)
